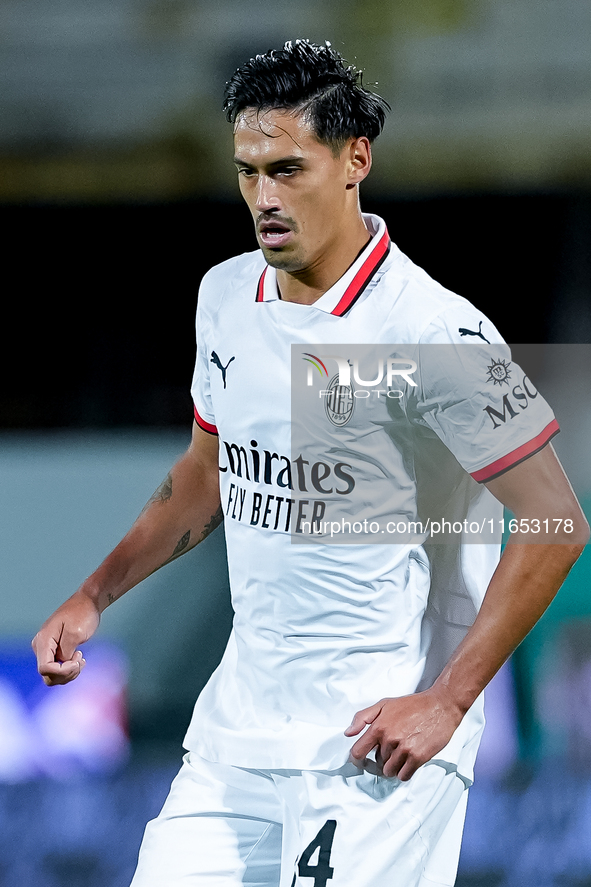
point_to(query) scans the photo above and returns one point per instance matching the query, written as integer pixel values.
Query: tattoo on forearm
(182, 544)
(162, 494)
(214, 521)
(111, 598)
(180, 547)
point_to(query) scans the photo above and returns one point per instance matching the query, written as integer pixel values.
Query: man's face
(296, 188)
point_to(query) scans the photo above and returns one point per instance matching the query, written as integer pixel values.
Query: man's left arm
(410, 730)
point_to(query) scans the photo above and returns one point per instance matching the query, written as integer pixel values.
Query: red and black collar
(357, 277)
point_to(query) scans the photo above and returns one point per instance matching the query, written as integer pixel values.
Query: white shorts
(224, 826)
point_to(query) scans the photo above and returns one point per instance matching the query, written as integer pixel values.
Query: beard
(283, 260)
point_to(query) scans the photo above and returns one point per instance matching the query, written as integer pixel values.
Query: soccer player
(335, 742)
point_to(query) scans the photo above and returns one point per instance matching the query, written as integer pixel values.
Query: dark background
(100, 300)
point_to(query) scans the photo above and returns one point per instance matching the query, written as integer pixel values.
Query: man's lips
(273, 233)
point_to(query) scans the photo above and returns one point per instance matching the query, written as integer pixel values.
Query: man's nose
(266, 195)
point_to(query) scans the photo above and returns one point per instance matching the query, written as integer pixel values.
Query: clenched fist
(55, 644)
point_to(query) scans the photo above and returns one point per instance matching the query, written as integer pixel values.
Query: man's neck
(308, 285)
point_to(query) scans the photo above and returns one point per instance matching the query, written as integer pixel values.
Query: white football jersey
(330, 626)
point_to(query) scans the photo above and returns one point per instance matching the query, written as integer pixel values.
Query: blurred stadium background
(117, 192)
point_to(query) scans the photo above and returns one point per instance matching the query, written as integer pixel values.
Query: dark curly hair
(311, 78)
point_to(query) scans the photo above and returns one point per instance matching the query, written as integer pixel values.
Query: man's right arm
(181, 513)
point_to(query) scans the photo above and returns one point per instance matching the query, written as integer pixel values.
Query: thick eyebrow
(284, 161)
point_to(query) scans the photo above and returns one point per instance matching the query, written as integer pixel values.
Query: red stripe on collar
(363, 276)
(377, 255)
(261, 287)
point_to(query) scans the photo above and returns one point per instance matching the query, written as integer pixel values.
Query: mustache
(276, 219)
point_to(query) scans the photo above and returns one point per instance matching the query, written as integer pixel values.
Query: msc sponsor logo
(515, 401)
(498, 372)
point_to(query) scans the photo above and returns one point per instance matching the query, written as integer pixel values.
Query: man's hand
(183, 511)
(406, 732)
(58, 660)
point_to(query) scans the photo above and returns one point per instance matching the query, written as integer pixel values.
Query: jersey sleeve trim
(516, 456)
(206, 426)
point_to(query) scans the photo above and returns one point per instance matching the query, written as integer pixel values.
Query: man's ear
(358, 160)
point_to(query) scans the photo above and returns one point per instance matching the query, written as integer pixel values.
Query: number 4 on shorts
(322, 871)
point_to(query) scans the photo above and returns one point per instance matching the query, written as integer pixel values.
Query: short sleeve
(200, 387)
(478, 401)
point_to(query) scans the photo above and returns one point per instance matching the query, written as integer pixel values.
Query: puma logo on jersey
(223, 369)
(464, 332)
